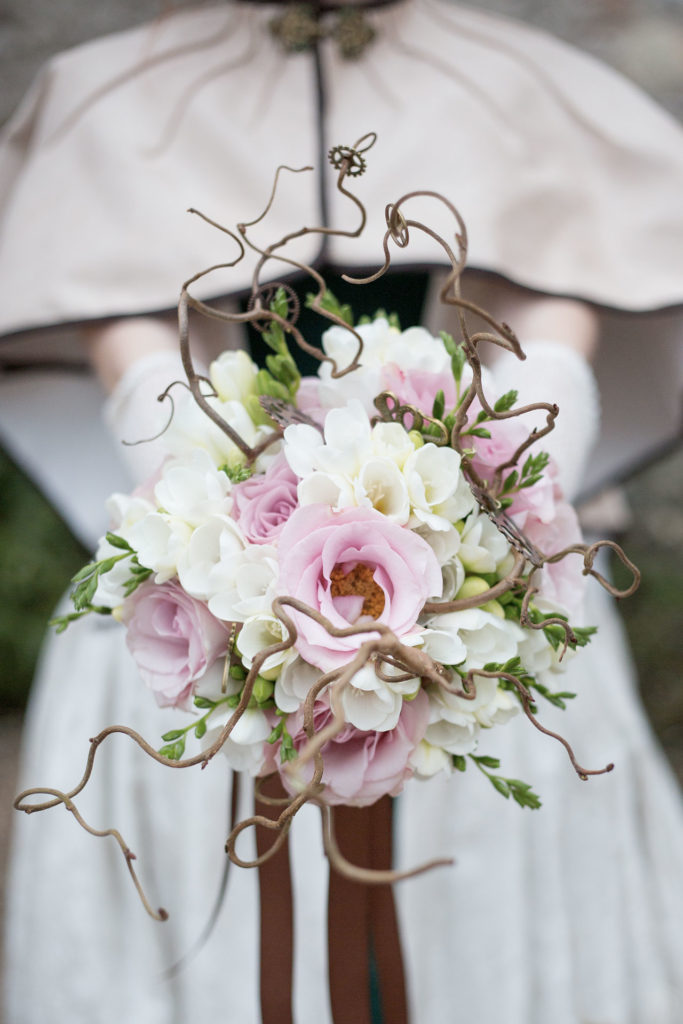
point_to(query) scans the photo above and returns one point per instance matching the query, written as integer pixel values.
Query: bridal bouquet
(347, 593)
(340, 580)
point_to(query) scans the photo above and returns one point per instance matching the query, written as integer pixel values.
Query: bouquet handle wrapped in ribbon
(345, 577)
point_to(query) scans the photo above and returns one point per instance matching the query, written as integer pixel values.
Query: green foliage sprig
(288, 751)
(87, 580)
(521, 792)
(514, 667)
(281, 378)
(331, 304)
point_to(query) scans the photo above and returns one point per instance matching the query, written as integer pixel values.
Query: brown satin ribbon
(277, 927)
(362, 918)
(361, 921)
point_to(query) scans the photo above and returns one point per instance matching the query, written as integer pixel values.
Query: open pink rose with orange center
(350, 564)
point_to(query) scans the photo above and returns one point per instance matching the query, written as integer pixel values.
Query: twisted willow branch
(381, 646)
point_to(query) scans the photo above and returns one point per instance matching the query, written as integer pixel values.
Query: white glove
(133, 413)
(555, 373)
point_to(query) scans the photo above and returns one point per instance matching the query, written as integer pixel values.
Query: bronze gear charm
(356, 163)
(266, 294)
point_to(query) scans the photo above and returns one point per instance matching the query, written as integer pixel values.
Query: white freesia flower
(301, 447)
(233, 375)
(471, 638)
(193, 489)
(347, 440)
(323, 489)
(535, 650)
(438, 491)
(412, 349)
(459, 736)
(251, 587)
(294, 682)
(482, 546)
(341, 344)
(455, 722)
(124, 512)
(259, 632)
(206, 565)
(428, 760)
(371, 703)
(191, 428)
(160, 541)
(110, 592)
(353, 465)
(244, 746)
(392, 441)
(445, 544)
(453, 574)
(211, 683)
(381, 485)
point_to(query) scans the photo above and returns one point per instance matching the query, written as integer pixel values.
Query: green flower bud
(495, 607)
(472, 587)
(263, 690)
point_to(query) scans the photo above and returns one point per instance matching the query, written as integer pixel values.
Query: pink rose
(347, 564)
(360, 767)
(173, 639)
(561, 582)
(418, 387)
(506, 437)
(491, 452)
(308, 399)
(264, 503)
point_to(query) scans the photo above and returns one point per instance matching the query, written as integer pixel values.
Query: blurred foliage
(654, 615)
(39, 556)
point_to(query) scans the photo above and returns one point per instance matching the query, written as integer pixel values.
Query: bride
(569, 182)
